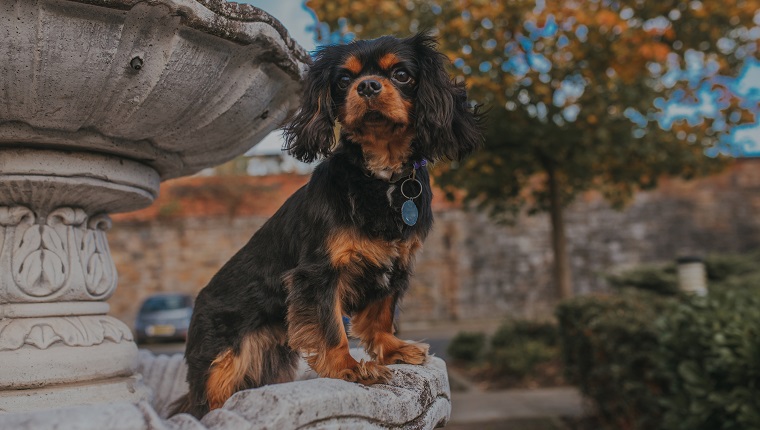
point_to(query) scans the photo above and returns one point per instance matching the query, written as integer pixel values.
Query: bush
(519, 347)
(711, 355)
(723, 267)
(513, 331)
(467, 347)
(662, 279)
(608, 346)
(650, 361)
(519, 353)
(521, 359)
(720, 268)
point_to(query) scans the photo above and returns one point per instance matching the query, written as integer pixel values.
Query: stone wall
(471, 268)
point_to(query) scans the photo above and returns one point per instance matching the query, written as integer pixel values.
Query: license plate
(160, 330)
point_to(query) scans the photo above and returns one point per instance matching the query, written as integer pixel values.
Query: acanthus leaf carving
(99, 269)
(15, 215)
(69, 250)
(13, 218)
(115, 332)
(42, 336)
(40, 261)
(67, 216)
(85, 330)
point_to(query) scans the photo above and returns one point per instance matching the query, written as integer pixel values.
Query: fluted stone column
(56, 272)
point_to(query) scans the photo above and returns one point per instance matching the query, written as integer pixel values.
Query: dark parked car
(164, 317)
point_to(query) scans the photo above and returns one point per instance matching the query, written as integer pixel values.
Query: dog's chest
(353, 251)
(378, 212)
(370, 267)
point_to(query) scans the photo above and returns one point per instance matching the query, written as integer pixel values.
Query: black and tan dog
(342, 244)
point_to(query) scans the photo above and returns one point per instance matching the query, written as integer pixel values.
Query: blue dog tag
(409, 213)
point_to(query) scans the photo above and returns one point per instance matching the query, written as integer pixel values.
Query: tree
(578, 92)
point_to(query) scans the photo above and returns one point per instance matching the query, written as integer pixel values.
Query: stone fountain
(101, 100)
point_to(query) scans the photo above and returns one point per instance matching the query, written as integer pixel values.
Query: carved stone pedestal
(57, 345)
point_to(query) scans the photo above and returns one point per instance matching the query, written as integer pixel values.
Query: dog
(343, 244)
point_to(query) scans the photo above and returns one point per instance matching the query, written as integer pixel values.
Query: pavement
(516, 409)
(472, 407)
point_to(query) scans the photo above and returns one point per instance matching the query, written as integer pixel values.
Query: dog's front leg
(315, 328)
(374, 326)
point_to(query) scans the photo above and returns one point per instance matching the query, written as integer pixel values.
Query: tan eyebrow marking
(353, 65)
(387, 61)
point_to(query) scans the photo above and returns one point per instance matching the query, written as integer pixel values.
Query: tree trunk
(562, 274)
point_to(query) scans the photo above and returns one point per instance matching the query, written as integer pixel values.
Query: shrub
(467, 347)
(519, 347)
(711, 355)
(512, 331)
(515, 352)
(722, 267)
(608, 347)
(521, 359)
(662, 279)
(655, 362)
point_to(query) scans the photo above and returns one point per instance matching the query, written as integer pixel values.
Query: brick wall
(470, 268)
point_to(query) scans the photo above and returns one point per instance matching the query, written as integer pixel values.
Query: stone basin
(176, 85)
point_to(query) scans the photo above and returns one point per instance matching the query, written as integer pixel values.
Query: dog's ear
(311, 133)
(447, 126)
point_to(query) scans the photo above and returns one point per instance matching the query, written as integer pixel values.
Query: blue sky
(294, 15)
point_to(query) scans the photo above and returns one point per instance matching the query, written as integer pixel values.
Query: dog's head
(391, 90)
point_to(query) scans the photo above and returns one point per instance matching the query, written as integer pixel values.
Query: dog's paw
(408, 353)
(367, 373)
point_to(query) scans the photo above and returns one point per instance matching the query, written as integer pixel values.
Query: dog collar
(408, 170)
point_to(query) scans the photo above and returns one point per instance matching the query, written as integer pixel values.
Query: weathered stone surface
(417, 397)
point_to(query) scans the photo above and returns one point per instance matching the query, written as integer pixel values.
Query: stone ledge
(417, 397)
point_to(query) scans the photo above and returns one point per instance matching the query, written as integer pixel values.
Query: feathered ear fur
(311, 134)
(447, 127)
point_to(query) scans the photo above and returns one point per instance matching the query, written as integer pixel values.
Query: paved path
(479, 407)
(517, 409)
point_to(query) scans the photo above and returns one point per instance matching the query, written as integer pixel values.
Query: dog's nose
(369, 88)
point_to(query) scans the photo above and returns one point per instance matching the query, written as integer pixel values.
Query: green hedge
(670, 362)
(514, 352)
(518, 347)
(742, 269)
(467, 347)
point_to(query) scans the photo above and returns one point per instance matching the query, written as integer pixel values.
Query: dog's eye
(401, 76)
(343, 81)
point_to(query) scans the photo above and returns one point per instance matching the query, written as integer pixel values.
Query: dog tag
(409, 213)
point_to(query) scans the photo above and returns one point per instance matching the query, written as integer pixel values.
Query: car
(164, 317)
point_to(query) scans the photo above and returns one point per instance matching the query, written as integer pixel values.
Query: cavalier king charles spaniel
(377, 111)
